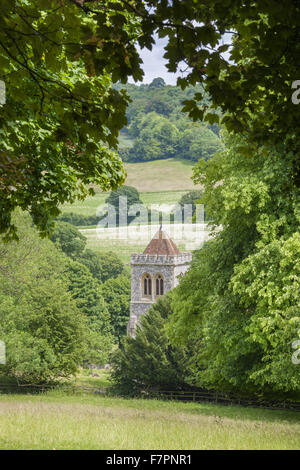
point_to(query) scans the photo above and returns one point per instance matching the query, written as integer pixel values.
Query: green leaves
(148, 361)
(192, 109)
(241, 294)
(43, 330)
(60, 118)
(116, 292)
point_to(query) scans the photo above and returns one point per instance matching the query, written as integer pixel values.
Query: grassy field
(173, 176)
(90, 204)
(169, 174)
(149, 178)
(57, 421)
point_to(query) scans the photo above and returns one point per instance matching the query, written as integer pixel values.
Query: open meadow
(174, 176)
(169, 174)
(149, 178)
(58, 421)
(133, 239)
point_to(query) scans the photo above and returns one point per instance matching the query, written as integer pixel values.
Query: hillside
(160, 175)
(159, 181)
(158, 129)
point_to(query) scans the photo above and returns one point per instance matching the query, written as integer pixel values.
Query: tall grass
(57, 421)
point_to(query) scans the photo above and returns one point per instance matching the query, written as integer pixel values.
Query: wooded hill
(158, 129)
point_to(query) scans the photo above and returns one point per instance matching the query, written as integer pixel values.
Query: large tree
(116, 293)
(62, 114)
(62, 117)
(44, 332)
(148, 361)
(241, 294)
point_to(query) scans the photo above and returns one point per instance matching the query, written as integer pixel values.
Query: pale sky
(154, 64)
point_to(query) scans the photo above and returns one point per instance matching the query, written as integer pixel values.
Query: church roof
(161, 244)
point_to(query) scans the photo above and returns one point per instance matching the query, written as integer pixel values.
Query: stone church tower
(153, 273)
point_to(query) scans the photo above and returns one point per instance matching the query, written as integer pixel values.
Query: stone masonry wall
(169, 267)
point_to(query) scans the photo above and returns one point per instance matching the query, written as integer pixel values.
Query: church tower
(153, 273)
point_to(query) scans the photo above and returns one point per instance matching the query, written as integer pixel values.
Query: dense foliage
(103, 266)
(44, 331)
(241, 294)
(101, 287)
(86, 291)
(53, 316)
(61, 116)
(148, 361)
(246, 54)
(62, 113)
(78, 219)
(192, 197)
(69, 239)
(157, 129)
(116, 293)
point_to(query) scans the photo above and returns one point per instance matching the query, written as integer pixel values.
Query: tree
(44, 332)
(86, 292)
(192, 197)
(69, 239)
(61, 116)
(103, 266)
(158, 138)
(148, 361)
(157, 83)
(62, 113)
(116, 293)
(114, 199)
(197, 142)
(241, 292)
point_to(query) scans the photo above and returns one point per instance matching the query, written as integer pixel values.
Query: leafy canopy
(62, 117)
(44, 331)
(241, 294)
(148, 361)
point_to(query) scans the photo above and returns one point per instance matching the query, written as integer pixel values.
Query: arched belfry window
(159, 285)
(147, 285)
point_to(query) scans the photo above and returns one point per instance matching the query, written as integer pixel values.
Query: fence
(187, 396)
(223, 399)
(36, 389)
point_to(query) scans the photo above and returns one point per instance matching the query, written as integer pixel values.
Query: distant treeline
(133, 198)
(79, 220)
(157, 128)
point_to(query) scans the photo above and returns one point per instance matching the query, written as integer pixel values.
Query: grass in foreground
(57, 421)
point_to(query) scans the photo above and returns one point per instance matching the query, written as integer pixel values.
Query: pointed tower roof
(161, 244)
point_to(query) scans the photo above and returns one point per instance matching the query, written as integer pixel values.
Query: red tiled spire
(161, 244)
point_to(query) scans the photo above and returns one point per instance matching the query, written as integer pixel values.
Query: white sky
(154, 64)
